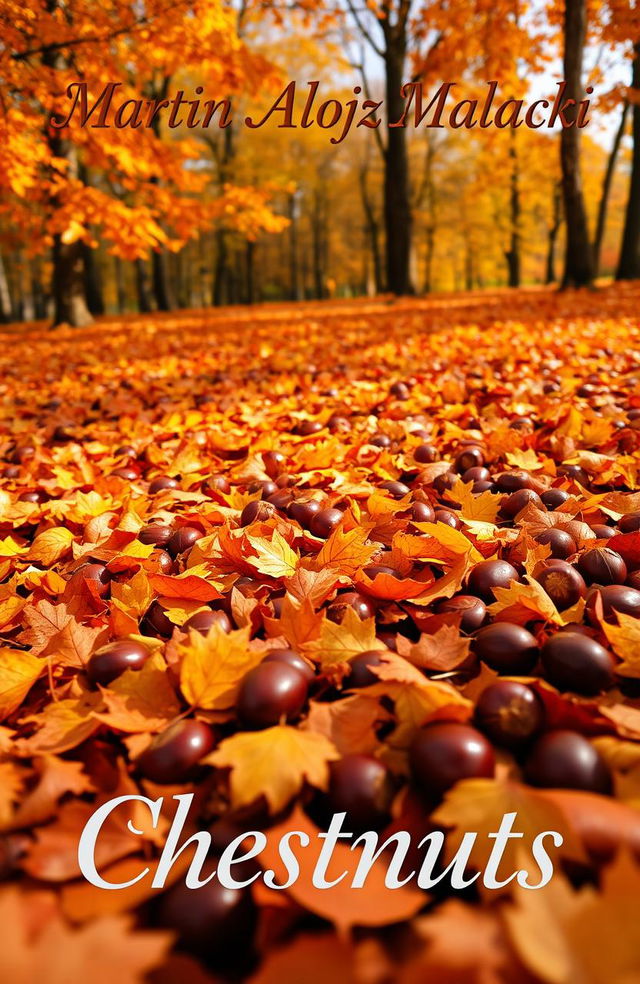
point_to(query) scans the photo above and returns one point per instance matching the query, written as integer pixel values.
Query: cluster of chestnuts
(579, 571)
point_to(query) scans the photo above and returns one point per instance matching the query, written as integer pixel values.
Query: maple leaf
(44, 620)
(62, 724)
(50, 546)
(347, 552)
(298, 622)
(521, 601)
(274, 557)
(527, 460)
(134, 596)
(445, 650)
(74, 644)
(188, 585)
(350, 724)
(416, 698)
(314, 586)
(274, 763)
(213, 666)
(56, 778)
(18, 673)
(464, 945)
(140, 700)
(10, 608)
(483, 508)
(566, 936)
(625, 641)
(340, 642)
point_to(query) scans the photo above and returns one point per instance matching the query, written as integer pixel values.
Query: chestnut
(446, 752)
(506, 647)
(510, 713)
(271, 692)
(573, 661)
(601, 565)
(562, 582)
(257, 511)
(183, 539)
(490, 574)
(564, 759)
(161, 483)
(204, 621)
(173, 754)
(113, 659)
(325, 521)
(472, 610)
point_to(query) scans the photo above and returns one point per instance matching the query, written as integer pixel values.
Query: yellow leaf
(347, 552)
(11, 548)
(9, 608)
(520, 602)
(625, 640)
(338, 643)
(275, 558)
(213, 666)
(481, 508)
(62, 725)
(480, 804)
(527, 460)
(19, 671)
(141, 700)
(51, 545)
(274, 763)
(298, 622)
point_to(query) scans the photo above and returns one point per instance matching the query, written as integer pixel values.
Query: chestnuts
(565, 759)
(113, 659)
(506, 647)
(490, 574)
(573, 661)
(173, 754)
(444, 753)
(272, 692)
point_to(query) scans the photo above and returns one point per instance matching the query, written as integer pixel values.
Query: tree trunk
(250, 260)
(373, 229)
(6, 309)
(317, 252)
(37, 289)
(397, 206)
(578, 264)
(629, 263)
(430, 199)
(68, 269)
(468, 263)
(161, 281)
(121, 294)
(142, 287)
(220, 273)
(70, 306)
(606, 188)
(295, 293)
(513, 253)
(550, 273)
(92, 288)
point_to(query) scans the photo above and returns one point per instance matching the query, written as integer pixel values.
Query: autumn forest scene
(320, 492)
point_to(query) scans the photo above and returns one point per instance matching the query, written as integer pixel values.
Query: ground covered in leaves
(380, 558)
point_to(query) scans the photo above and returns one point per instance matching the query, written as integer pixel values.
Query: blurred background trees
(106, 220)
